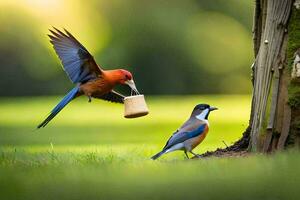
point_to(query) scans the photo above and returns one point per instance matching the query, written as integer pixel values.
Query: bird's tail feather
(158, 155)
(69, 97)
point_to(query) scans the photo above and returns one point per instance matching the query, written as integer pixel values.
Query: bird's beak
(212, 108)
(131, 84)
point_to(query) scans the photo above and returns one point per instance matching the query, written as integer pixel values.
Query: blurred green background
(181, 53)
(171, 46)
(100, 123)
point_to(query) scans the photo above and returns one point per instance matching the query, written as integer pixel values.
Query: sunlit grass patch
(82, 123)
(100, 127)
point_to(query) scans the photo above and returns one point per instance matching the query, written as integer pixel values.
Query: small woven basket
(135, 106)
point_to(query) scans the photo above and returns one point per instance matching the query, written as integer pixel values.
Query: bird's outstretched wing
(185, 134)
(112, 96)
(78, 63)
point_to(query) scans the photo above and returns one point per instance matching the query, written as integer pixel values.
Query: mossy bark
(275, 113)
(293, 52)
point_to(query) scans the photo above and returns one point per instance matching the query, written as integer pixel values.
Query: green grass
(91, 152)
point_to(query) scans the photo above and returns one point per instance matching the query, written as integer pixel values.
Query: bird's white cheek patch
(202, 115)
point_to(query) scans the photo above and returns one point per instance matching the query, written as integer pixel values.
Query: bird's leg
(90, 98)
(197, 155)
(186, 155)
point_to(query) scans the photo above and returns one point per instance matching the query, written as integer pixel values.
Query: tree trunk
(275, 112)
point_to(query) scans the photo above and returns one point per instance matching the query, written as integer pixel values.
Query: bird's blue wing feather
(197, 131)
(180, 136)
(76, 60)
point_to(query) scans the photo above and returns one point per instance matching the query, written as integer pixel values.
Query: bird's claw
(90, 99)
(198, 156)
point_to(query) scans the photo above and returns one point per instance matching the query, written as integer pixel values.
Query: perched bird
(191, 133)
(90, 79)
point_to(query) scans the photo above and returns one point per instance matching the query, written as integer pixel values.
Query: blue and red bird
(89, 78)
(191, 133)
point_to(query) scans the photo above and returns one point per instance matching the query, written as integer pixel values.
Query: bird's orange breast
(99, 86)
(200, 138)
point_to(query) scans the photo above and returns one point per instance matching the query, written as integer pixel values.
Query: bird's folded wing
(78, 63)
(112, 96)
(183, 135)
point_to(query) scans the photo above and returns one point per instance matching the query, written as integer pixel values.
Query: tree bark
(275, 111)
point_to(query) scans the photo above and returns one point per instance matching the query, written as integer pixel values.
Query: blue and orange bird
(191, 133)
(90, 79)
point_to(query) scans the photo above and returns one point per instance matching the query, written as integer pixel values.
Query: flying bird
(89, 78)
(191, 133)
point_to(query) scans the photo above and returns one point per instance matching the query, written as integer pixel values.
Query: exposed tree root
(239, 148)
